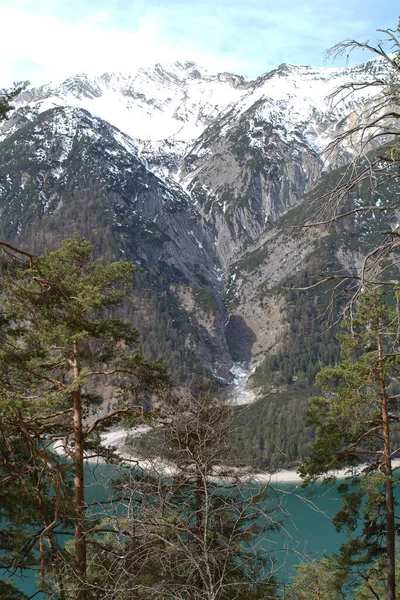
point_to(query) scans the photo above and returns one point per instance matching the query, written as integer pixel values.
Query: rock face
(189, 174)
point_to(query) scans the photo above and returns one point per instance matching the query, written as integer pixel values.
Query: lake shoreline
(116, 439)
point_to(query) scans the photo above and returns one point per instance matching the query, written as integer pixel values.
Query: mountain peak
(177, 101)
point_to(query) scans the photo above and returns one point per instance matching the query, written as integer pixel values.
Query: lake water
(307, 530)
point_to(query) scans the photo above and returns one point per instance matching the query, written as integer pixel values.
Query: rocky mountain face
(191, 175)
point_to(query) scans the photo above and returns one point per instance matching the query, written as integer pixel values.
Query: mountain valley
(203, 181)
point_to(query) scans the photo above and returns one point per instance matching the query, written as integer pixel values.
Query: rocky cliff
(198, 178)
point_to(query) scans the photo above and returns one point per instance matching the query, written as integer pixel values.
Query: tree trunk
(389, 501)
(80, 535)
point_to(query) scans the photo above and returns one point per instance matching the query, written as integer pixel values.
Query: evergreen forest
(127, 470)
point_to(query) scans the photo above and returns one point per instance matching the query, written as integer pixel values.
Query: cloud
(43, 48)
(46, 40)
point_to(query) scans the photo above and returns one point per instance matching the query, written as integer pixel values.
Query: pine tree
(62, 354)
(317, 580)
(9, 592)
(356, 421)
(7, 96)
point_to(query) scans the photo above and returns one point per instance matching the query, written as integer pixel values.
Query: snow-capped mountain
(177, 102)
(198, 178)
(187, 171)
(227, 142)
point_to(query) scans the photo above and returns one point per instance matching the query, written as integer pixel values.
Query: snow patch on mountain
(163, 114)
(178, 101)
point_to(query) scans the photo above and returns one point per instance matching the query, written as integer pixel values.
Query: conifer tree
(61, 348)
(9, 592)
(317, 580)
(356, 422)
(7, 96)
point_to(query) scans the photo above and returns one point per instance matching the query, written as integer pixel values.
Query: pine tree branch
(122, 411)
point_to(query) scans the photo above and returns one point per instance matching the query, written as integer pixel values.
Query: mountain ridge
(207, 217)
(154, 84)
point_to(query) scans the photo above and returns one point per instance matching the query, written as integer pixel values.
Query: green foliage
(276, 431)
(164, 327)
(356, 421)
(349, 414)
(327, 579)
(64, 297)
(64, 355)
(9, 592)
(271, 433)
(7, 96)
(373, 584)
(204, 300)
(317, 580)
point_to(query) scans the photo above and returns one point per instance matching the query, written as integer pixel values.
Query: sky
(50, 40)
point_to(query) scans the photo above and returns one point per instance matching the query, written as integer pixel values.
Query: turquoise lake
(307, 530)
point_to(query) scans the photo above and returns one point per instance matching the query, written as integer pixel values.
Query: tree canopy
(356, 418)
(68, 369)
(7, 96)
(357, 422)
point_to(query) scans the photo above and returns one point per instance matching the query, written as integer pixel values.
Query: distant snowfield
(176, 102)
(239, 395)
(151, 104)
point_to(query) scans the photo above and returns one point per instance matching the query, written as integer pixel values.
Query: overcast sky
(43, 40)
